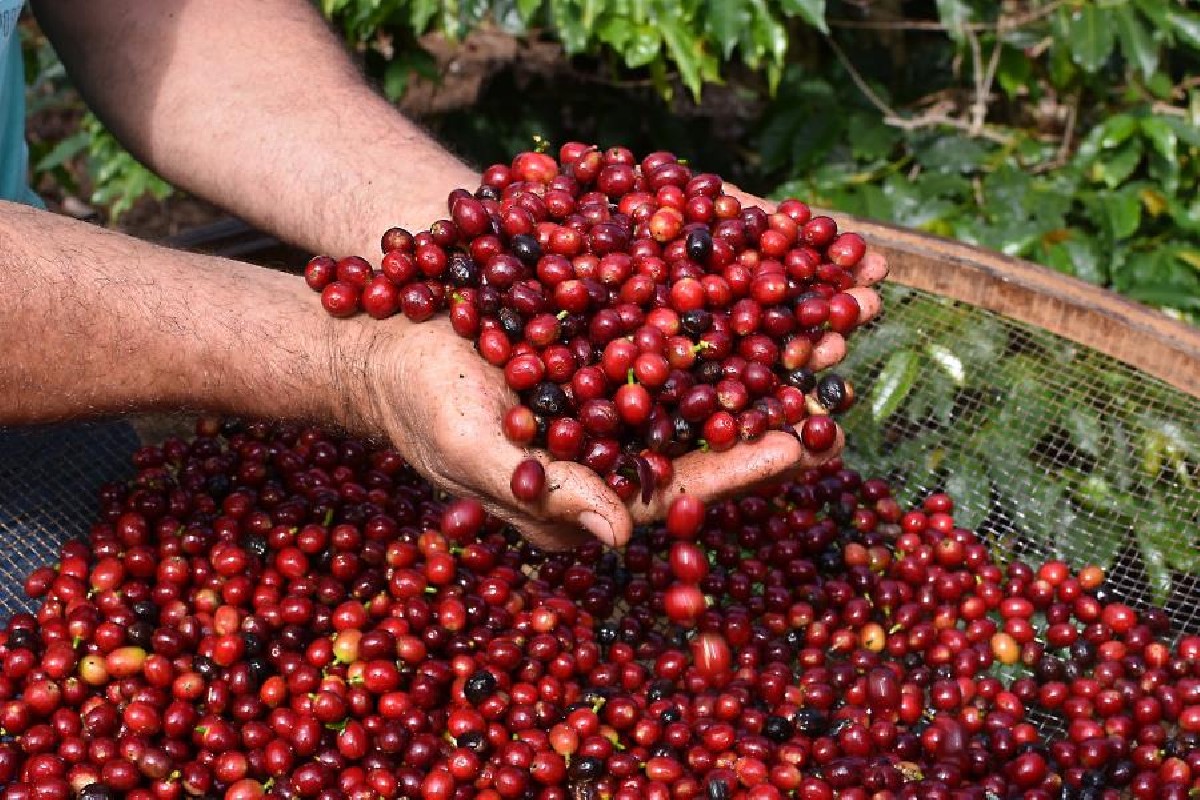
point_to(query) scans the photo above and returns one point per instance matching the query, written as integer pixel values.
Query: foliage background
(1063, 131)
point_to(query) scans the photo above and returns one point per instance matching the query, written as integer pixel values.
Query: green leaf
(954, 14)
(527, 8)
(1095, 539)
(1183, 129)
(1186, 216)
(1078, 255)
(1155, 11)
(1090, 35)
(971, 487)
(1014, 72)
(869, 137)
(422, 14)
(1122, 212)
(643, 46)
(1139, 47)
(1163, 137)
(614, 31)
(725, 21)
(64, 151)
(812, 11)
(1186, 25)
(571, 31)
(395, 80)
(686, 50)
(1154, 542)
(331, 7)
(1113, 170)
(1117, 129)
(895, 381)
(953, 153)
(767, 35)
(1085, 430)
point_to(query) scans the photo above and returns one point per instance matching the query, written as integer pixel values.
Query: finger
(575, 504)
(575, 495)
(871, 270)
(869, 303)
(829, 350)
(551, 537)
(747, 199)
(713, 475)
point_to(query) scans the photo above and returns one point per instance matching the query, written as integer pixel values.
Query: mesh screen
(50, 478)
(1049, 448)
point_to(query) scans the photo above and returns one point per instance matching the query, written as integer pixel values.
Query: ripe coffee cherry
(463, 520)
(711, 655)
(847, 249)
(683, 603)
(688, 562)
(396, 240)
(340, 299)
(320, 272)
(844, 313)
(818, 434)
(380, 298)
(528, 480)
(685, 515)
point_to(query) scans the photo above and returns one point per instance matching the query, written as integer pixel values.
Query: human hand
(441, 405)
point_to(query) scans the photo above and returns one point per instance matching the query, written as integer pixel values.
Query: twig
(1067, 143)
(979, 106)
(859, 81)
(933, 118)
(984, 78)
(933, 25)
(1169, 110)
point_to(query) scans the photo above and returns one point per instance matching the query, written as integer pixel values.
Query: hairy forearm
(94, 323)
(256, 106)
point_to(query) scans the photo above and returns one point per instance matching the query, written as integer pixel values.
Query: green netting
(1049, 448)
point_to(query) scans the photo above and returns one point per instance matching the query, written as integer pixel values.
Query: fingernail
(598, 526)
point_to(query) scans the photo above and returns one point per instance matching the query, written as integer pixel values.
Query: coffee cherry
(835, 393)
(818, 434)
(340, 299)
(528, 480)
(320, 272)
(685, 515)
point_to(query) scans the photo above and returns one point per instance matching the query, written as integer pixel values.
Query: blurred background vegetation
(1063, 131)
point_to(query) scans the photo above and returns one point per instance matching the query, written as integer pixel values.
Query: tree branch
(1017, 21)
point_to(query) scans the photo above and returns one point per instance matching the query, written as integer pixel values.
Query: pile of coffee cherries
(638, 311)
(271, 611)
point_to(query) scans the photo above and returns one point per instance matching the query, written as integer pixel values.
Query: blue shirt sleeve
(14, 153)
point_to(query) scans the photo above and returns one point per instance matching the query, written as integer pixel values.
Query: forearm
(257, 107)
(93, 322)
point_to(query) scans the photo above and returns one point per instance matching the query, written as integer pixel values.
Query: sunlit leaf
(894, 383)
(1090, 34)
(1137, 44)
(811, 11)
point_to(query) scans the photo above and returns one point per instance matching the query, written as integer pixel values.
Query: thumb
(577, 496)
